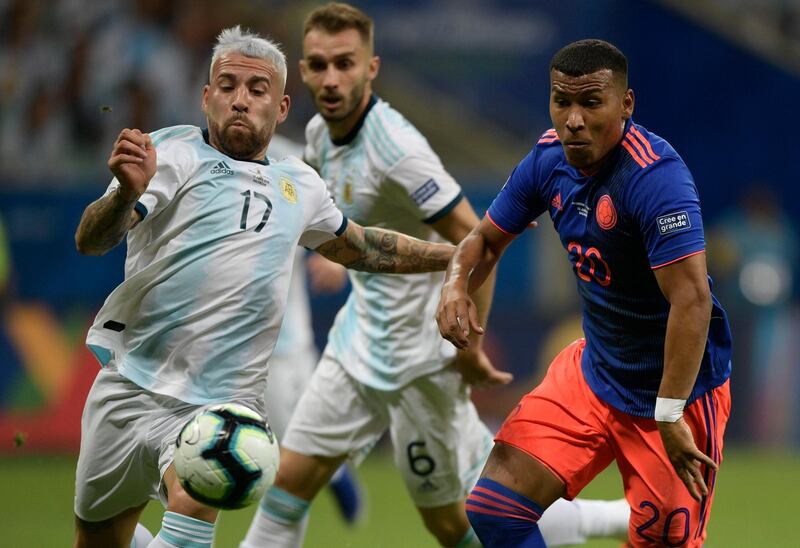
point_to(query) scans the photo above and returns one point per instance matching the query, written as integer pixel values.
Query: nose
(240, 99)
(575, 121)
(331, 78)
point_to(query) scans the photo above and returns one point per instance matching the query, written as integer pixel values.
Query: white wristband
(669, 409)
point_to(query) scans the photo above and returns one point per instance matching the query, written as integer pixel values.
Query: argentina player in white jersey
(385, 366)
(212, 227)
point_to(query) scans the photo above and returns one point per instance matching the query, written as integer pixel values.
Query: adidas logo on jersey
(222, 168)
(556, 203)
(427, 486)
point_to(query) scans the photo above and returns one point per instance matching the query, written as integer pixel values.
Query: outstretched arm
(372, 249)
(685, 285)
(472, 362)
(472, 264)
(105, 221)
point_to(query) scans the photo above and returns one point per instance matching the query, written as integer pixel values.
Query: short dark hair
(335, 17)
(588, 56)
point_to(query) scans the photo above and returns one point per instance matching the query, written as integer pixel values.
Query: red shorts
(576, 435)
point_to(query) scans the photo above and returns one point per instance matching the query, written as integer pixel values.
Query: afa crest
(288, 190)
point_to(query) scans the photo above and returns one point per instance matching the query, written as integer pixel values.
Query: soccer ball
(226, 456)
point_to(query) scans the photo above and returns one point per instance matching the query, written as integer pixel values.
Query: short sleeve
(326, 223)
(667, 209)
(173, 164)
(310, 157)
(312, 134)
(519, 201)
(160, 191)
(432, 190)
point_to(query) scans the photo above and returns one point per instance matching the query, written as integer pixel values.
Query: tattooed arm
(105, 221)
(376, 250)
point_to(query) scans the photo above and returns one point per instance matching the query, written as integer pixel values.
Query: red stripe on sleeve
(678, 259)
(497, 226)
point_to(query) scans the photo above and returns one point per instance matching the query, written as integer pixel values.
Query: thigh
(440, 443)
(336, 416)
(562, 425)
(663, 513)
(114, 471)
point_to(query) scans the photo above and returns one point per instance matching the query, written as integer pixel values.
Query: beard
(238, 142)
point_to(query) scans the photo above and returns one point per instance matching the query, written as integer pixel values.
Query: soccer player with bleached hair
(385, 366)
(648, 387)
(212, 227)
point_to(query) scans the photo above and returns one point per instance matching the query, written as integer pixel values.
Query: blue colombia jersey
(640, 212)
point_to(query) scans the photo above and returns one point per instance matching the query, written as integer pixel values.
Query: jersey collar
(347, 139)
(264, 162)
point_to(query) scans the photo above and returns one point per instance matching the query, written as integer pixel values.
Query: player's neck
(342, 131)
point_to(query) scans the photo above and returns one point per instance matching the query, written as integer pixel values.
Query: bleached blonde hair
(249, 44)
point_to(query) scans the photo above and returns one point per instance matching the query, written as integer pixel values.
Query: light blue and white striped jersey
(385, 174)
(208, 268)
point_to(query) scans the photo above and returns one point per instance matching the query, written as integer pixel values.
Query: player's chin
(580, 158)
(332, 114)
(242, 147)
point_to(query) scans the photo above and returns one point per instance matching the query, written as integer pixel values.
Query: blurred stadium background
(717, 78)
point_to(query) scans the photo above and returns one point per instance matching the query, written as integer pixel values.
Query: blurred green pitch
(755, 506)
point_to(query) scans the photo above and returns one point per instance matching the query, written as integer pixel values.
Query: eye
(316, 66)
(560, 102)
(226, 87)
(344, 64)
(592, 103)
(258, 92)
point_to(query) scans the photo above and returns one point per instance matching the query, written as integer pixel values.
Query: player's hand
(324, 275)
(456, 315)
(477, 370)
(685, 457)
(133, 162)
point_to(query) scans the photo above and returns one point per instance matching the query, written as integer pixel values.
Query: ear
(374, 67)
(628, 101)
(283, 110)
(303, 70)
(204, 102)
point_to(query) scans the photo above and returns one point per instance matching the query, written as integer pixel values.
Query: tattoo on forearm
(104, 224)
(377, 250)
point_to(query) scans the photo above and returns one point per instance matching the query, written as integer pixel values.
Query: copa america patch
(674, 222)
(424, 193)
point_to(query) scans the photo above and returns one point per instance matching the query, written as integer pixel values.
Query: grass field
(756, 506)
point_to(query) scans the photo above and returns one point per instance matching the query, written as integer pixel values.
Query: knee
(502, 517)
(448, 530)
(303, 475)
(96, 533)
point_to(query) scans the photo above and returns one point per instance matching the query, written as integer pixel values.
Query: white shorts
(288, 378)
(440, 443)
(127, 441)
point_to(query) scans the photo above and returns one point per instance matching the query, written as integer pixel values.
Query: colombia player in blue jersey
(648, 387)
